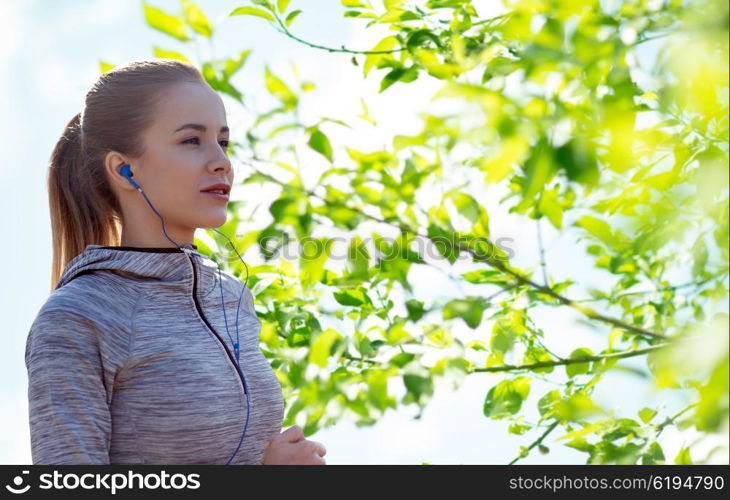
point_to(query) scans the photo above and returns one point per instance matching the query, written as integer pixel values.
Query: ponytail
(76, 220)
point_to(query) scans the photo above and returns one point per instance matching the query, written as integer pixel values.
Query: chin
(212, 222)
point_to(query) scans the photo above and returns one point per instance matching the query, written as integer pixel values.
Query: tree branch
(570, 361)
(496, 263)
(283, 29)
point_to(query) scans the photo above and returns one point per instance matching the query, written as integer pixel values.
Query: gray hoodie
(130, 362)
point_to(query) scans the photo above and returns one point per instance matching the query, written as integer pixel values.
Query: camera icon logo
(18, 481)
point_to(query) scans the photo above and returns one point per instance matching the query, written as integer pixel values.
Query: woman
(132, 358)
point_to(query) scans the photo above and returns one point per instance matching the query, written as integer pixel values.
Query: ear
(113, 163)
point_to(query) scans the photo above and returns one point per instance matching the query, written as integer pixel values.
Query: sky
(49, 56)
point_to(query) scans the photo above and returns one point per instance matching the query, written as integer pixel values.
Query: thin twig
(660, 289)
(537, 442)
(283, 29)
(569, 361)
(673, 418)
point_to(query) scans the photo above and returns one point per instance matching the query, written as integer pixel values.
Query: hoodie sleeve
(70, 421)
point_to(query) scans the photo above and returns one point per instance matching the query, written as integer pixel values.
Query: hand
(290, 448)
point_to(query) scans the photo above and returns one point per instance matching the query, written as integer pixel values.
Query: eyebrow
(198, 126)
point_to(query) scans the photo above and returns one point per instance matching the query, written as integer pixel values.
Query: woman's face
(182, 159)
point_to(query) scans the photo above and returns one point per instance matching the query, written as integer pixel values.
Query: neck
(140, 230)
(154, 241)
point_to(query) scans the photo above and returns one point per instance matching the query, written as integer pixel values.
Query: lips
(216, 194)
(219, 188)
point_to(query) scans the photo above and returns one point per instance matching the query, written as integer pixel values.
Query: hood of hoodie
(162, 265)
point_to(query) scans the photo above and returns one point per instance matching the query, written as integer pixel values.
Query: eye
(223, 143)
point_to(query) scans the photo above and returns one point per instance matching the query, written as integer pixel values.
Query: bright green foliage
(548, 103)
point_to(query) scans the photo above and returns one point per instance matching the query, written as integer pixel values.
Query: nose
(221, 163)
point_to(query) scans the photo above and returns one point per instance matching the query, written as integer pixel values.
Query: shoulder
(82, 319)
(93, 299)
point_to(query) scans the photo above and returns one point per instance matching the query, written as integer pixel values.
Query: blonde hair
(117, 109)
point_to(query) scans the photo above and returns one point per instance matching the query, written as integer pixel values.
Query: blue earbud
(126, 172)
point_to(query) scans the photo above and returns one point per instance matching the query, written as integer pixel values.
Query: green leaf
(420, 387)
(444, 242)
(416, 39)
(548, 402)
(343, 217)
(646, 414)
(598, 228)
(279, 89)
(415, 309)
(483, 276)
(350, 297)
(320, 350)
(270, 240)
(503, 336)
(683, 457)
(252, 11)
(477, 345)
(170, 54)
(550, 207)
(712, 410)
(393, 4)
(539, 170)
(398, 74)
(402, 359)
(603, 232)
(196, 18)
(105, 66)
(397, 333)
(319, 142)
(164, 22)
(518, 428)
(315, 253)
(358, 259)
(396, 15)
(538, 355)
(377, 381)
(579, 368)
(654, 455)
(466, 205)
(469, 309)
(621, 428)
(232, 65)
(505, 398)
(282, 5)
(375, 60)
(284, 209)
(578, 161)
(576, 407)
(291, 16)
